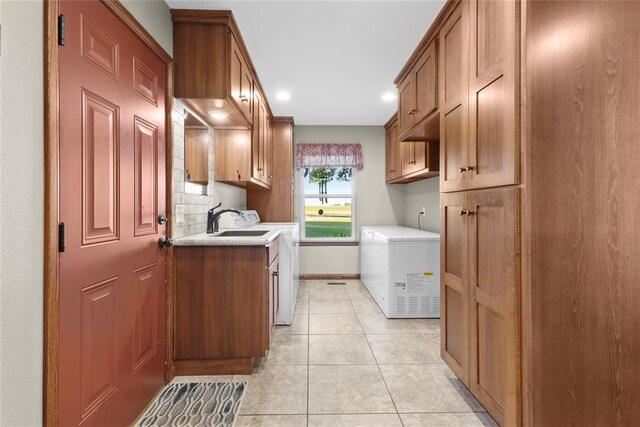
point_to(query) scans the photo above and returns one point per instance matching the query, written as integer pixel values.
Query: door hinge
(60, 30)
(61, 243)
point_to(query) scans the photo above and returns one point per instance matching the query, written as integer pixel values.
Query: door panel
(453, 289)
(145, 141)
(100, 169)
(494, 301)
(493, 140)
(112, 187)
(454, 104)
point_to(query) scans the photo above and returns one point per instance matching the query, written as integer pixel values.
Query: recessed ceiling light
(218, 115)
(388, 96)
(283, 95)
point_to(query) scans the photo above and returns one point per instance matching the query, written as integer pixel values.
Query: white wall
(421, 194)
(376, 203)
(21, 200)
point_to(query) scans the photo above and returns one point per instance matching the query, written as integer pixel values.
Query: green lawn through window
(328, 221)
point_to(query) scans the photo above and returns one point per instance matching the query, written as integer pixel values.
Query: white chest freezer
(400, 267)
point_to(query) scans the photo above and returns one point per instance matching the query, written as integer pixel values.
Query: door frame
(51, 193)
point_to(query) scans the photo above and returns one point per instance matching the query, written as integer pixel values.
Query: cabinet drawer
(272, 250)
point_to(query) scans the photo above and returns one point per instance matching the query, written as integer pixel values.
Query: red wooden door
(112, 189)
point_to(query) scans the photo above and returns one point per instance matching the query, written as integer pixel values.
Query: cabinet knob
(243, 98)
(463, 212)
(463, 169)
(466, 168)
(412, 111)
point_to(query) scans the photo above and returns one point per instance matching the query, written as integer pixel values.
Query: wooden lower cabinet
(223, 303)
(480, 294)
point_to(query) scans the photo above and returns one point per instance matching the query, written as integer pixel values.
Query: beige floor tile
(365, 305)
(427, 326)
(469, 419)
(299, 326)
(348, 389)
(355, 420)
(379, 324)
(271, 421)
(330, 306)
(328, 293)
(276, 390)
(288, 350)
(339, 350)
(301, 307)
(432, 339)
(334, 324)
(401, 349)
(427, 388)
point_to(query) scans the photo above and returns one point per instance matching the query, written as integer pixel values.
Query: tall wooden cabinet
(276, 205)
(480, 287)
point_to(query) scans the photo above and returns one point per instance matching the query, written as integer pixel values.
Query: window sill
(328, 243)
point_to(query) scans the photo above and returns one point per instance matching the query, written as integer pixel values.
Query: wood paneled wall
(581, 133)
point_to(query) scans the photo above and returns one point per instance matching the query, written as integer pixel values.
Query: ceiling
(335, 58)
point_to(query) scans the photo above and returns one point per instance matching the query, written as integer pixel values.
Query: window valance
(329, 156)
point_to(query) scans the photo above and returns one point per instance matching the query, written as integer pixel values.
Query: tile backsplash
(190, 210)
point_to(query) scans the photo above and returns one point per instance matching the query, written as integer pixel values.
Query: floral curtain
(329, 156)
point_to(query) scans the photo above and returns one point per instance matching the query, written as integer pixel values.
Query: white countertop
(204, 239)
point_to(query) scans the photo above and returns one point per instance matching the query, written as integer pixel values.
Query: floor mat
(195, 404)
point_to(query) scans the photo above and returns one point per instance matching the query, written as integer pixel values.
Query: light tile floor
(343, 363)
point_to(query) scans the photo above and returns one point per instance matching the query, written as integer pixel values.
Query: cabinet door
(406, 104)
(241, 80)
(406, 150)
(494, 293)
(393, 159)
(268, 149)
(493, 142)
(196, 155)
(426, 83)
(453, 57)
(246, 95)
(259, 125)
(454, 293)
(419, 155)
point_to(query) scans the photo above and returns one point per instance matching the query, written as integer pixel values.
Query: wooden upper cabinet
(454, 104)
(213, 70)
(393, 157)
(276, 205)
(196, 156)
(406, 104)
(493, 150)
(426, 84)
(241, 80)
(261, 148)
(418, 98)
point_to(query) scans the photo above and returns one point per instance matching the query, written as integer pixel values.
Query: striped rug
(195, 404)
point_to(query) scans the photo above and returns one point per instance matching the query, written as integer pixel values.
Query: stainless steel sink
(243, 233)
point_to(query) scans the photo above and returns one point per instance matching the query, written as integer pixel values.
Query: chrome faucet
(214, 217)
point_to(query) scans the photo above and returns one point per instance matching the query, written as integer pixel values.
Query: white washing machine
(400, 267)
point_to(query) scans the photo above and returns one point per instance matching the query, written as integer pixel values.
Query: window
(327, 208)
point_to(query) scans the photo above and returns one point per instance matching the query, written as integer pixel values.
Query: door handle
(167, 241)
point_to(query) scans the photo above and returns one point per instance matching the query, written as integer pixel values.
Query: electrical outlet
(423, 210)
